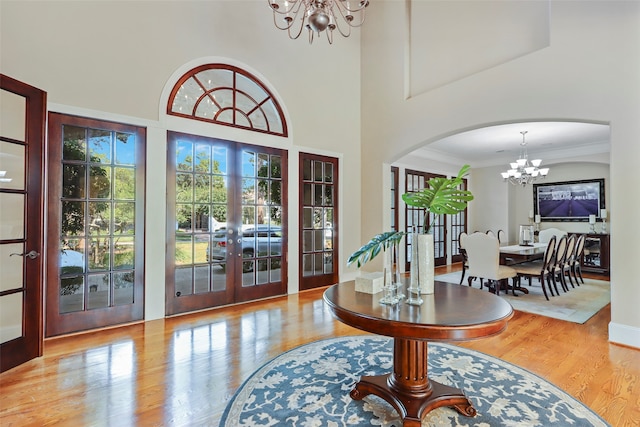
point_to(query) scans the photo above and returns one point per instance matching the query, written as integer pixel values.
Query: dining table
(514, 254)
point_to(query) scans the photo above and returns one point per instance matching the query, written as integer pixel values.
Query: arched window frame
(272, 125)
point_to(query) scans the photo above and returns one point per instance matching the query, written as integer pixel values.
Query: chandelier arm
(294, 37)
(329, 32)
(289, 15)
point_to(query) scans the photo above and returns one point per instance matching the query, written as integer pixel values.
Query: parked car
(257, 241)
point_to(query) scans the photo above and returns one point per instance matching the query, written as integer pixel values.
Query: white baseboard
(625, 335)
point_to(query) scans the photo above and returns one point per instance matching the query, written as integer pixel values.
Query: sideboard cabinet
(596, 254)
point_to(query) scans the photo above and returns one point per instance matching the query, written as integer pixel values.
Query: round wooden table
(451, 313)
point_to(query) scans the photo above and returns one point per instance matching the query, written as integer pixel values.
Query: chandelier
(317, 16)
(522, 171)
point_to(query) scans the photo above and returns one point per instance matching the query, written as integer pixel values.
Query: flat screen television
(569, 201)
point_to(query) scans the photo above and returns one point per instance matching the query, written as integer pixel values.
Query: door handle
(30, 254)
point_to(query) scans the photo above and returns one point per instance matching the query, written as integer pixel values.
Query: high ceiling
(552, 142)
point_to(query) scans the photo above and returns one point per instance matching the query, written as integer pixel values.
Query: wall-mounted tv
(569, 201)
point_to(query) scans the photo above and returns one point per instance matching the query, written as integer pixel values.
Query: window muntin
(229, 96)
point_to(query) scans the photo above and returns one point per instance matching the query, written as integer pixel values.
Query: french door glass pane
(98, 213)
(317, 217)
(11, 317)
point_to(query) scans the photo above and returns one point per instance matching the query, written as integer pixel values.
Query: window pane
(125, 149)
(99, 182)
(74, 145)
(73, 181)
(99, 291)
(248, 164)
(125, 184)
(99, 146)
(123, 284)
(184, 156)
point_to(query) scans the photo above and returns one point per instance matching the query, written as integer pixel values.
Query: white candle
(592, 219)
(531, 214)
(527, 235)
(603, 213)
(537, 219)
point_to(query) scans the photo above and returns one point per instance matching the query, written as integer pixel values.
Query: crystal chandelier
(522, 172)
(318, 16)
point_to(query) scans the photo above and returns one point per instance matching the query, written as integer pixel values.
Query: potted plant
(440, 196)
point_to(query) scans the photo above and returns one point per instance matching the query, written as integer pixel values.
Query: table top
(451, 313)
(537, 248)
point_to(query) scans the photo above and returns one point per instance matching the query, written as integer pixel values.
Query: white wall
(116, 60)
(589, 72)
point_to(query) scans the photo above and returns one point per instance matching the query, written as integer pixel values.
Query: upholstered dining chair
(501, 236)
(558, 266)
(542, 269)
(545, 235)
(576, 266)
(465, 261)
(491, 233)
(483, 252)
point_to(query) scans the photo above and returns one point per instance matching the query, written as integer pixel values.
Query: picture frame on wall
(569, 200)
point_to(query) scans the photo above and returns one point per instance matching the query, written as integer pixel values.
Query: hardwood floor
(182, 371)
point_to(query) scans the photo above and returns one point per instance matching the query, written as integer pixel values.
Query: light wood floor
(182, 371)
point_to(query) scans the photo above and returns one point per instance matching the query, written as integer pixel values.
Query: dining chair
(558, 267)
(542, 269)
(576, 267)
(568, 261)
(483, 252)
(491, 233)
(465, 261)
(501, 236)
(545, 235)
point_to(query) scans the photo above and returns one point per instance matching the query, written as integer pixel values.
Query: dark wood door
(95, 232)
(226, 222)
(22, 124)
(318, 217)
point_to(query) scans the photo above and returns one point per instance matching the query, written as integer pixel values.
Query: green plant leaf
(371, 249)
(441, 195)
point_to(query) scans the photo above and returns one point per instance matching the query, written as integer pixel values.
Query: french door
(415, 220)
(319, 221)
(95, 247)
(226, 222)
(22, 130)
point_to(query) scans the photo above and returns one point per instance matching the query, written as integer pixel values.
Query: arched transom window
(227, 95)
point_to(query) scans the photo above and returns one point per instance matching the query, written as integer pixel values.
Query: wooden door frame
(311, 282)
(231, 294)
(30, 345)
(57, 323)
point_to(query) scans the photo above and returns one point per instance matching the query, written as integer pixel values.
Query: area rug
(309, 387)
(578, 305)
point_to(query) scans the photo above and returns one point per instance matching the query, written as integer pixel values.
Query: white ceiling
(552, 142)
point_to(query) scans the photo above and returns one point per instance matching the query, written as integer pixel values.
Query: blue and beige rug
(309, 387)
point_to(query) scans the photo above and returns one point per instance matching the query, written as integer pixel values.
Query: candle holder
(413, 291)
(392, 294)
(526, 235)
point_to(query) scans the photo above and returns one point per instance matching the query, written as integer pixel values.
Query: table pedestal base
(408, 389)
